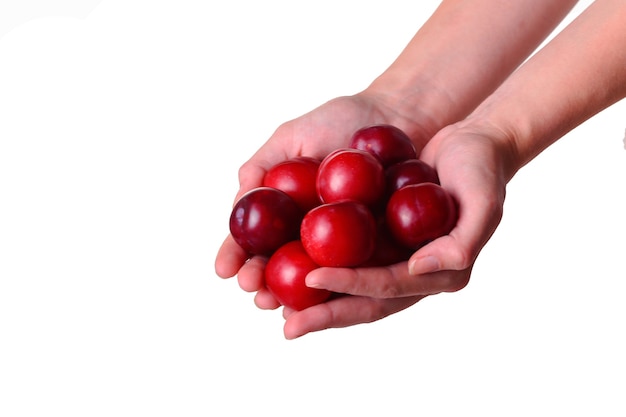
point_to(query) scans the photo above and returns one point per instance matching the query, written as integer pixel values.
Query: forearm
(579, 73)
(461, 54)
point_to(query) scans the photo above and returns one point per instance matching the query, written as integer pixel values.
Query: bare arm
(461, 55)
(579, 73)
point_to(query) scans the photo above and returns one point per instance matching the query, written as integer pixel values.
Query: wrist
(417, 106)
(502, 137)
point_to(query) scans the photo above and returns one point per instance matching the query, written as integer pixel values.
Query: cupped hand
(314, 134)
(474, 165)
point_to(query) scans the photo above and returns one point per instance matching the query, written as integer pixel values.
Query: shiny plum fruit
(350, 174)
(419, 213)
(341, 234)
(264, 219)
(411, 171)
(296, 177)
(285, 274)
(388, 143)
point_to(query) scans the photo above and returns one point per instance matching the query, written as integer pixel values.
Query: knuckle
(463, 258)
(244, 171)
(387, 285)
(390, 290)
(458, 281)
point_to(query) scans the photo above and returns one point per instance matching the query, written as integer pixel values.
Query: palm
(471, 167)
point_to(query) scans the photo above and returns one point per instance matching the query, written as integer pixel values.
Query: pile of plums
(370, 204)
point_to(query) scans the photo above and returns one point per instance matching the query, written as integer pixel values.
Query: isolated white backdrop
(122, 126)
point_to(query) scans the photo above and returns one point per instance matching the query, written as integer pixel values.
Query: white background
(121, 132)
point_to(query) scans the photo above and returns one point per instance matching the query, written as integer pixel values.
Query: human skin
(438, 80)
(578, 74)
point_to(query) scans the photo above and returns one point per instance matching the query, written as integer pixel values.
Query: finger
(470, 168)
(275, 150)
(478, 218)
(265, 300)
(230, 258)
(288, 312)
(251, 176)
(250, 275)
(343, 312)
(388, 282)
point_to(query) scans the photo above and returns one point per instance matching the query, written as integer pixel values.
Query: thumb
(442, 254)
(458, 250)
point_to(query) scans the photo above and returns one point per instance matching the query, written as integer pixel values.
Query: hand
(474, 166)
(315, 134)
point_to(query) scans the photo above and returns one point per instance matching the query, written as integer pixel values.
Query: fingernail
(311, 281)
(423, 265)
